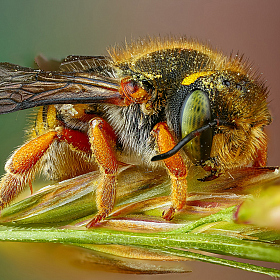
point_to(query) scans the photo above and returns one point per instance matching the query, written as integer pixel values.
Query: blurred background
(57, 29)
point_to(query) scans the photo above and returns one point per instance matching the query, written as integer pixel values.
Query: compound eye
(133, 92)
(196, 112)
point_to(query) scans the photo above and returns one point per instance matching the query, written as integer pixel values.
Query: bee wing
(79, 80)
(94, 64)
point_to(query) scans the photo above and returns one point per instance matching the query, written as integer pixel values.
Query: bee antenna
(189, 137)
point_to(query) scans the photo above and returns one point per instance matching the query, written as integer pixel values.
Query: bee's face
(241, 102)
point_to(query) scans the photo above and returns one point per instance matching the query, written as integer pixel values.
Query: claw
(97, 219)
(169, 215)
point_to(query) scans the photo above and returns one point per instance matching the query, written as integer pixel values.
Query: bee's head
(220, 116)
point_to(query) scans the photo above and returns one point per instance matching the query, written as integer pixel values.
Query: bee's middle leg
(176, 168)
(103, 140)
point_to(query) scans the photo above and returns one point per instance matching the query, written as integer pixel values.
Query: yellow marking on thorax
(193, 77)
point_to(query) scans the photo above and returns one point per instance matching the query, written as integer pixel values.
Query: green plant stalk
(206, 242)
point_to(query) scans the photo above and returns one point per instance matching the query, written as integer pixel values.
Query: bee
(162, 103)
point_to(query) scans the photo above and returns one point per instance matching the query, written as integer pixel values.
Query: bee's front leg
(176, 168)
(261, 155)
(103, 140)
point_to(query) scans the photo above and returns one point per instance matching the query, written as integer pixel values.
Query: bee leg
(21, 167)
(176, 168)
(261, 156)
(103, 139)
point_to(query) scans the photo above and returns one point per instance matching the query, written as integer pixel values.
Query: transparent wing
(100, 65)
(79, 80)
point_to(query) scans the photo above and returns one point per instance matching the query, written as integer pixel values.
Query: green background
(59, 28)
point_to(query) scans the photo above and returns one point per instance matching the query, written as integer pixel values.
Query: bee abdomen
(46, 119)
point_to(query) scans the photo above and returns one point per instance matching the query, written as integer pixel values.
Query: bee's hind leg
(103, 140)
(22, 167)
